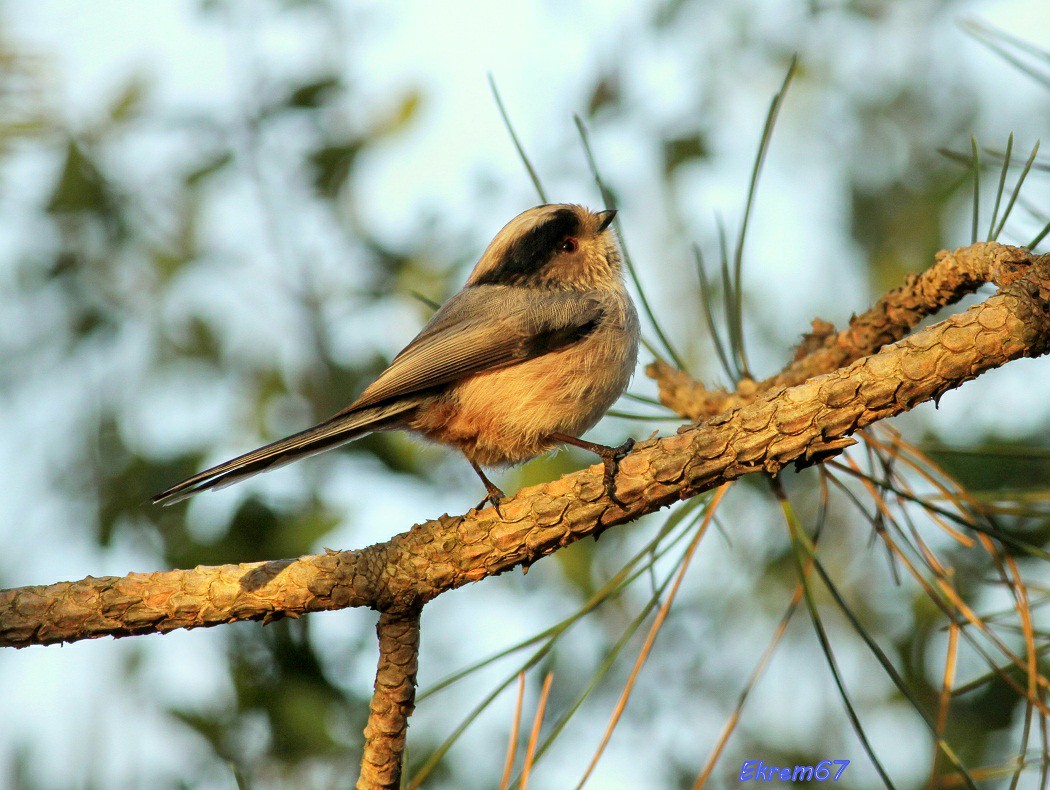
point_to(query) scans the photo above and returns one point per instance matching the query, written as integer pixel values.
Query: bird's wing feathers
(483, 328)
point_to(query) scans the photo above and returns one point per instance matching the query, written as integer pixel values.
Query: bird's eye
(570, 245)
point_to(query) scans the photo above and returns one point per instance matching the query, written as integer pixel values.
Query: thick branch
(803, 423)
(953, 276)
(392, 702)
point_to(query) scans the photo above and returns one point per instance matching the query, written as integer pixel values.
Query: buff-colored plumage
(537, 346)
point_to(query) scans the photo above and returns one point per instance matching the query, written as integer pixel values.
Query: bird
(527, 356)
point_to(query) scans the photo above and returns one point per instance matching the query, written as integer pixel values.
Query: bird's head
(553, 246)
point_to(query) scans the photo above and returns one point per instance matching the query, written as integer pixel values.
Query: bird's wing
(483, 328)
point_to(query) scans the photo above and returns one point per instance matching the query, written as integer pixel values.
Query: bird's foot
(495, 495)
(611, 457)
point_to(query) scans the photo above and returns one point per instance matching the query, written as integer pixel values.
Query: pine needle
(1016, 191)
(534, 736)
(706, 298)
(517, 143)
(1002, 186)
(976, 189)
(512, 741)
(609, 201)
(738, 259)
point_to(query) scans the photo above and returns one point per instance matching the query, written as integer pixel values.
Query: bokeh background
(215, 219)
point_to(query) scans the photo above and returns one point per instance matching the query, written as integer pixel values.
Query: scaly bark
(392, 702)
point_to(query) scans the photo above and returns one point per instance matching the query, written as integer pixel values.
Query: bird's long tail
(338, 430)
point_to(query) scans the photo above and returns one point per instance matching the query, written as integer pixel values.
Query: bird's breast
(507, 415)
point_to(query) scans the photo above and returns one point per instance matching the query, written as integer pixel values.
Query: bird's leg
(610, 456)
(495, 494)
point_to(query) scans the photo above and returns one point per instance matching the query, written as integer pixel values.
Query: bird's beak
(605, 218)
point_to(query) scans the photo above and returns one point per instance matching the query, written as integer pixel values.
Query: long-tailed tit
(534, 349)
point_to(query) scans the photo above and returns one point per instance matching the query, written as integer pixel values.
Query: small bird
(534, 349)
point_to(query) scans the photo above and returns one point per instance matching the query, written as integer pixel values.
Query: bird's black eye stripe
(531, 251)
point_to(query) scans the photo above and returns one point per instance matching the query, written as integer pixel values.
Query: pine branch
(802, 424)
(954, 275)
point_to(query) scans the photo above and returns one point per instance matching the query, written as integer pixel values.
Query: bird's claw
(495, 496)
(611, 457)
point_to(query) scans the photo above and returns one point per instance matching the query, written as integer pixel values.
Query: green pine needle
(738, 259)
(1016, 191)
(1039, 236)
(1002, 186)
(706, 299)
(607, 198)
(425, 300)
(517, 143)
(1006, 46)
(976, 189)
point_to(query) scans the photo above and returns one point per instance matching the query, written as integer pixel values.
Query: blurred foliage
(121, 252)
(115, 256)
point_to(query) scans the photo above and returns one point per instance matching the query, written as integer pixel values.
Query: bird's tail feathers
(338, 430)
